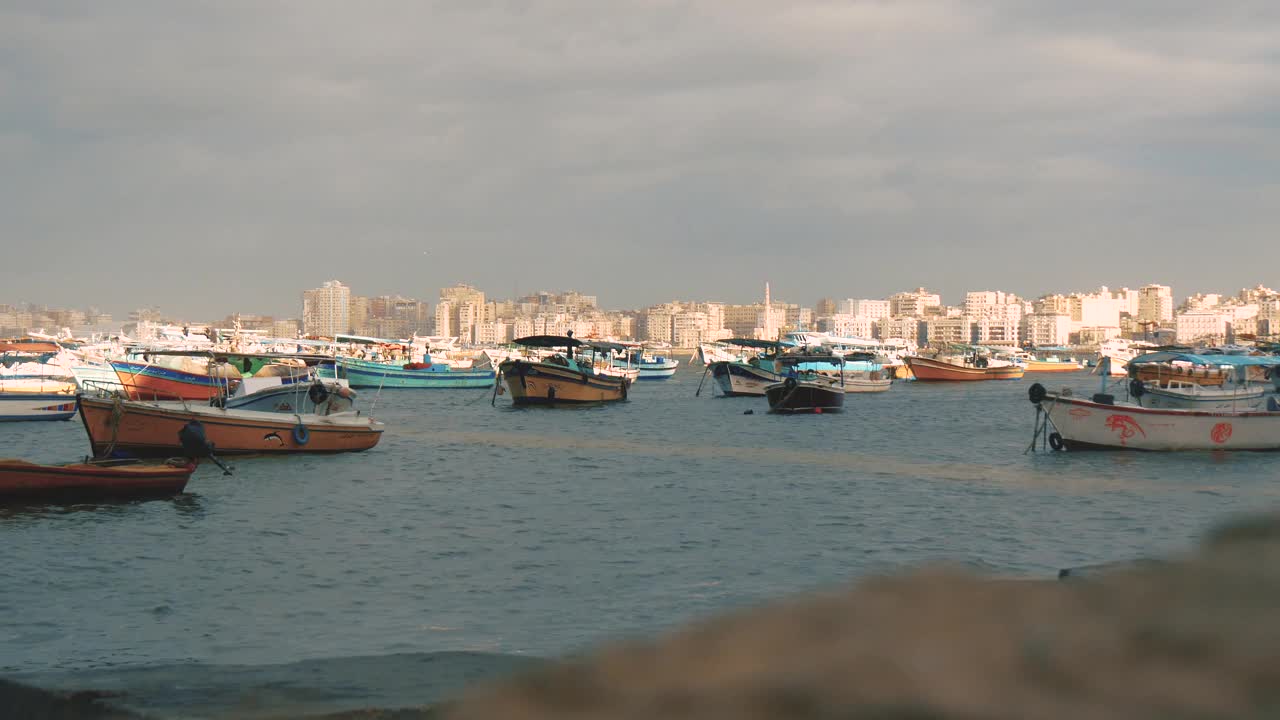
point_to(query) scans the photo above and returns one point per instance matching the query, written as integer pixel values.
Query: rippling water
(543, 531)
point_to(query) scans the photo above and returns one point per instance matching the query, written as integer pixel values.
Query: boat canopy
(1219, 360)
(754, 343)
(603, 345)
(549, 341)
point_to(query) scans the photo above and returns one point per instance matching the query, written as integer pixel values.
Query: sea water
(500, 532)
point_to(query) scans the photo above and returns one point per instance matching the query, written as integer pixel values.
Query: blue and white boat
(652, 366)
(20, 406)
(366, 374)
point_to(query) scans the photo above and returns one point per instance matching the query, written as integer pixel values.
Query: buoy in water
(748, 412)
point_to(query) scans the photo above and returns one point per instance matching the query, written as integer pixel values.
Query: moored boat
(24, 481)
(560, 379)
(651, 366)
(1050, 365)
(150, 428)
(1201, 382)
(367, 374)
(952, 368)
(806, 391)
(1103, 423)
(175, 377)
(20, 406)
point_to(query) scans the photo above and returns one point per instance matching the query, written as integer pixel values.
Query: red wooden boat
(22, 480)
(152, 429)
(930, 369)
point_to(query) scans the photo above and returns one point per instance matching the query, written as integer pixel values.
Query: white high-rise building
(1201, 325)
(326, 310)
(1047, 329)
(874, 309)
(913, 303)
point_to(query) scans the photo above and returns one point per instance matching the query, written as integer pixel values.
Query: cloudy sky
(221, 156)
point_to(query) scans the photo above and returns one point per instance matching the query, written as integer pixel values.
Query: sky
(222, 156)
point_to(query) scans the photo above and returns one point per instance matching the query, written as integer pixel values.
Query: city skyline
(159, 152)
(916, 315)
(743, 296)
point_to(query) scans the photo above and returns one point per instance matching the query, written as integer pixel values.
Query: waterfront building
(444, 320)
(1155, 304)
(996, 316)
(326, 309)
(494, 332)
(1047, 329)
(843, 325)
(1200, 326)
(899, 328)
(873, 309)
(944, 330)
(915, 303)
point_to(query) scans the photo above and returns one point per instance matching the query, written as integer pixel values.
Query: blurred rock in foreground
(1192, 638)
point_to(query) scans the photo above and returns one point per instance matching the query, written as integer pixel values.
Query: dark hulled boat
(560, 379)
(806, 391)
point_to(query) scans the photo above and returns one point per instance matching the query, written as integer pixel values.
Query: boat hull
(1042, 366)
(97, 378)
(362, 374)
(150, 429)
(1084, 424)
(546, 384)
(152, 382)
(23, 481)
(23, 407)
(738, 379)
(929, 370)
(805, 397)
(866, 385)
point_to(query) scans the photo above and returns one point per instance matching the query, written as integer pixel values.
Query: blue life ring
(301, 435)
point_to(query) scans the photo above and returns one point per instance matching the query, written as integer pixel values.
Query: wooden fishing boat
(742, 378)
(560, 379)
(745, 376)
(960, 368)
(175, 378)
(366, 374)
(1050, 365)
(806, 391)
(150, 428)
(1103, 423)
(21, 480)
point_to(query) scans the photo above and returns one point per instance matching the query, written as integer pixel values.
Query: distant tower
(766, 295)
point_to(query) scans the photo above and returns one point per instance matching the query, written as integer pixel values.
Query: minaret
(770, 331)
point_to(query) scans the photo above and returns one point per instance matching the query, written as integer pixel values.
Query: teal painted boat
(365, 374)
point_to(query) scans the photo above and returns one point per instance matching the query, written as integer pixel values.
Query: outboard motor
(196, 444)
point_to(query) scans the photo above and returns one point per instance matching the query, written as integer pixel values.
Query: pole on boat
(705, 373)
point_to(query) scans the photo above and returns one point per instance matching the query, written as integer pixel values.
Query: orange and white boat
(151, 429)
(953, 368)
